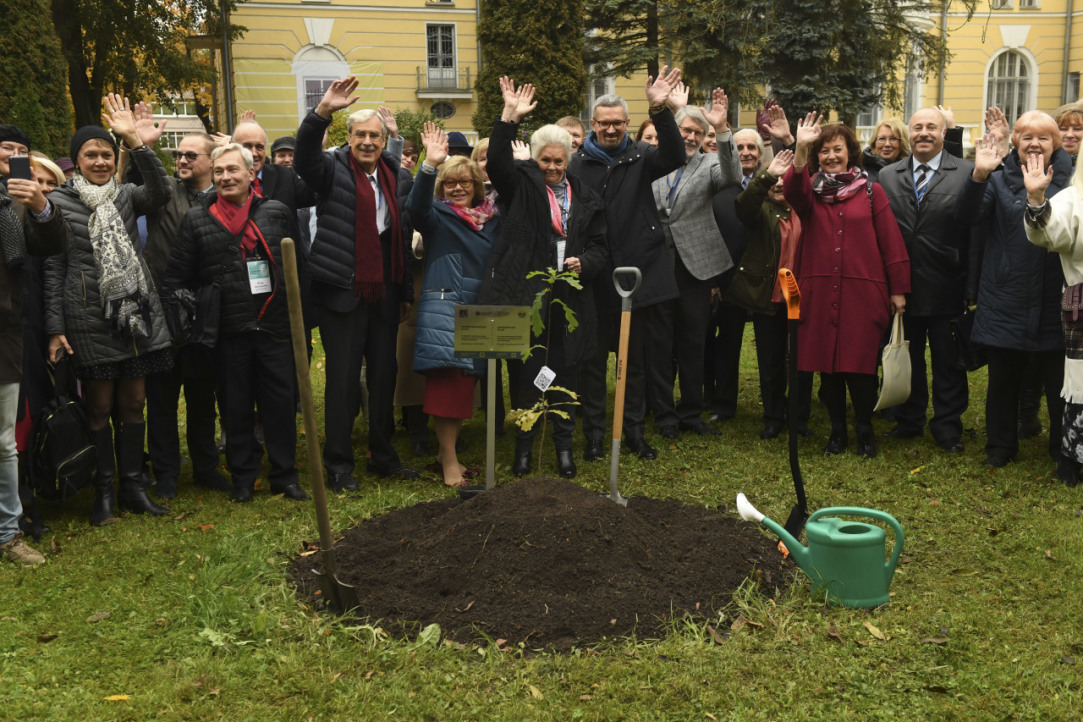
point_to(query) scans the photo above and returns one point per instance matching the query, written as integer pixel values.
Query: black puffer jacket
(72, 304)
(633, 227)
(207, 253)
(524, 243)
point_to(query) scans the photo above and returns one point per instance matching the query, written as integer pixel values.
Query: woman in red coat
(853, 270)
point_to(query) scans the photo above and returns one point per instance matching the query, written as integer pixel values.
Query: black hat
(14, 134)
(456, 141)
(89, 132)
(286, 142)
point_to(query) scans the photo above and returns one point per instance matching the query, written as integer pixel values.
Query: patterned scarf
(475, 217)
(834, 187)
(122, 284)
(11, 232)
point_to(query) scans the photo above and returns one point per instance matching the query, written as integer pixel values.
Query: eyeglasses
(886, 139)
(466, 184)
(187, 155)
(611, 123)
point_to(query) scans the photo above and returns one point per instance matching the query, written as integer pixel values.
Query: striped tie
(923, 181)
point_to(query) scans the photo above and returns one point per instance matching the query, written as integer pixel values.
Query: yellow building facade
(423, 55)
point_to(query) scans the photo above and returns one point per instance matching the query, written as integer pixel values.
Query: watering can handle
(873, 513)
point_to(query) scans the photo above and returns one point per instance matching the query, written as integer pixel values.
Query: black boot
(104, 507)
(565, 463)
(1068, 470)
(866, 441)
(521, 465)
(836, 443)
(133, 491)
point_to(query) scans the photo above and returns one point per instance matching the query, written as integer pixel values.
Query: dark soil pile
(548, 563)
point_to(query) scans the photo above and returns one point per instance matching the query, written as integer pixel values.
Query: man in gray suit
(699, 255)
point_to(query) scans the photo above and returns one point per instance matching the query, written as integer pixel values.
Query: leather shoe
(242, 494)
(996, 461)
(565, 463)
(640, 446)
(395, 471)
(669, 431)
(341, 481)
(866, 442)
(721, 416)
(521, 465)
(595, 450)
(836, 444)
(898, 432)
(214, 480)
(699, 427)
(771, 431)
(166, 488)
(293, 491)
(952, 446)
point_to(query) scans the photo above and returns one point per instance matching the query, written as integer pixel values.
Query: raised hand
(808, 129)
(996, 123)
(221, 139)
(678, 97)
(339, 95)
(520, 150)
(1036, 178)
(658, 90)
(120, 119)
(390, 123)
(780, 163)
(149, 132)
(435, 141)
(518, 103)
(986, 157)
(778, 125)
(763, 117)
(718, 112)
(248, 116)
(949, 116)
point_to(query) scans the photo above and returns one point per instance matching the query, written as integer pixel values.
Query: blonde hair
(246, 155)
(481, 147)
(454, 166)
(901, 132)
(1036, 120)
(41, 160)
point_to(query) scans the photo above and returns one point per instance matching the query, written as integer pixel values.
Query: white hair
(246, 154)
(363, 116)
(756, 134)
(695, 115)
(550, 135)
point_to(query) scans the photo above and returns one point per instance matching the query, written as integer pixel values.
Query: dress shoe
(214, 480)
(394, 471)
(521, 465)
(836, 443)
(669, 431)
(1029, 428)
(341, 481)
(952, 446)
(699, 427)
(166, 488)
(803, 429)
(866, 442)
(293, 491)
(639, 445)
(771, 431)
(242, 494)
(565, 463)
(995, 460)
(595, 450)
(898, 432)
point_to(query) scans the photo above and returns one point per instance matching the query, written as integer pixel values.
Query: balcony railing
(435, 81)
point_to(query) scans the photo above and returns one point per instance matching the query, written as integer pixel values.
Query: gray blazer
(690, 225)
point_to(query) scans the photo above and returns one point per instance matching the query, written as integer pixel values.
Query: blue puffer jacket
(1021, 284)
(455, 260)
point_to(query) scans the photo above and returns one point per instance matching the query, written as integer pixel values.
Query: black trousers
(593, 377)
(684, 339)
(722, 358)
(257, 371)
(863, 395)
(350, 338)
(194, 369)
(774, 373)
(1006, 373)
(951, 395)
(567, 376)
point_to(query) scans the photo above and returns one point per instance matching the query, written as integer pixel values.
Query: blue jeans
(10, 506)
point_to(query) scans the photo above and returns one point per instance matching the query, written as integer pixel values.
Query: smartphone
(20, 167)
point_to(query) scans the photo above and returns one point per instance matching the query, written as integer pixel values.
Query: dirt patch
(548, 563)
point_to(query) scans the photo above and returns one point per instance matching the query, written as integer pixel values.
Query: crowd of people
(149, 285)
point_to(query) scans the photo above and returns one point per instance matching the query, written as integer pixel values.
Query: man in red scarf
(232, 241)
(361, 285)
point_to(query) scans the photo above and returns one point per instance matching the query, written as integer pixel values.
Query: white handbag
(895, 388)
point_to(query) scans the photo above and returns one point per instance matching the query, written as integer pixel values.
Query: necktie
(256, 187)
(923, 180)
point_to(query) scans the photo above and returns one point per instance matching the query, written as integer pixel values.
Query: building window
(443, 109)
(440, 50)
(1071, 91)
(1029, 4)
(1009, 84)
(599, 85)
(1001, 4)
(314, 90)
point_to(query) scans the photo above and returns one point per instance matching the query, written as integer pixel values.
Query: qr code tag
(545, 378)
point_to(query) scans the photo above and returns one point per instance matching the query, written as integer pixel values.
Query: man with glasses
(621, 171)
(361, 282)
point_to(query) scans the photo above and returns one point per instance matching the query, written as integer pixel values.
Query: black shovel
(795, 524)
(338, 594)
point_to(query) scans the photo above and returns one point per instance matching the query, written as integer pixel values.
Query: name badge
(259, 277)
(561, 245)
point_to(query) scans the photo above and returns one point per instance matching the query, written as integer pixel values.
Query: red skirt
(449, 393)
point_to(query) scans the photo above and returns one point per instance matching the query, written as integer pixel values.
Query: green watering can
(844, 559)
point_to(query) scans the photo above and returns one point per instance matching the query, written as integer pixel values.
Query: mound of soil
(548, 563)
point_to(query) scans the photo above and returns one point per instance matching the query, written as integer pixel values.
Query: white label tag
(259, 277)
(545, 378)
(561, 245)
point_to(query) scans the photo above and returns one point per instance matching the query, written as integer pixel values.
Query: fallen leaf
(308, 554)
(466, 608)
(501, 642)
(117, 698)
(180, 516)
(1048, 553)
(612, 621)
(368, 675)
(711, 716)
(97, 617)
(585, 697)
(934, 640)
(534, 691)
(715, 635)
(206, 527)
(934, 502)
(335, 678)
(875, 631)
(739, 624)
(54, 546)
(9, 619)
(833, 632)
(46, 638)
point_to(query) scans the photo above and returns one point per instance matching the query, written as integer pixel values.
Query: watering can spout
(750, 513)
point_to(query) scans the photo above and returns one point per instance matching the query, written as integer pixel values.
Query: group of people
(152, 284)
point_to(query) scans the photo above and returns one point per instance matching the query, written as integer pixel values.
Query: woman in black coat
(101, 305)
(551, 220)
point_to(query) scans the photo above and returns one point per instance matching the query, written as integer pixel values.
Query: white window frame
(1030, 98)
(322, 70)
(451, 82)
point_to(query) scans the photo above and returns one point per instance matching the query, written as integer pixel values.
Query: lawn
(190, 616)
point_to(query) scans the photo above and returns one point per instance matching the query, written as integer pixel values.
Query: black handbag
(63, 458)
(963, 352)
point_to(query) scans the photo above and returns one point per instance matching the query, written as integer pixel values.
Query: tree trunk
(69, 30)
(652, 39)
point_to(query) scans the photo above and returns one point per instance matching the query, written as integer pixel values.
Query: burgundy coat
(852, 257)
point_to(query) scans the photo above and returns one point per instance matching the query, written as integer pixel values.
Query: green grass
(986, 620)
